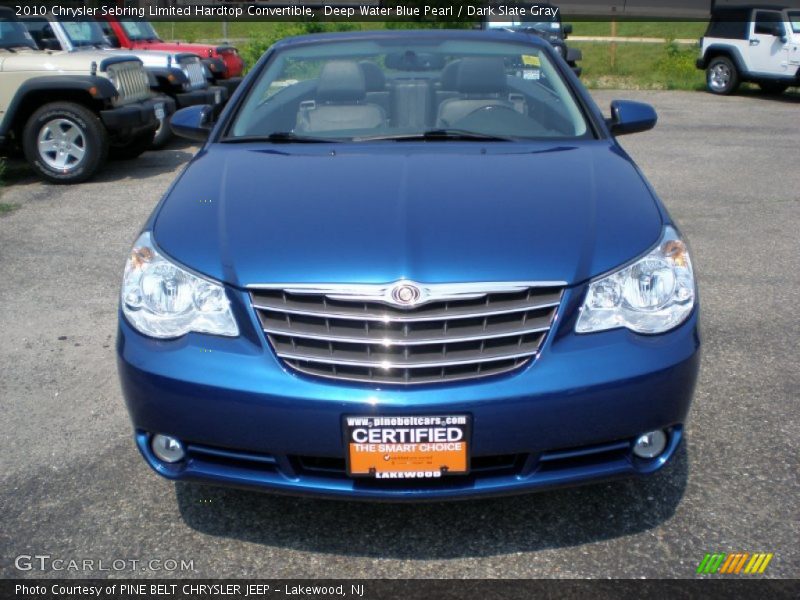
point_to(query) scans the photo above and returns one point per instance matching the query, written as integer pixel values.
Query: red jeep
(223, 62)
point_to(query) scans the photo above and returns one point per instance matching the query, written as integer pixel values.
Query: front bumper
(136, 116)
(229, 84)
(213, 96)
(569, 417)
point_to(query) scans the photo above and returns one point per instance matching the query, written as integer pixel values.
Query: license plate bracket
(407, 446)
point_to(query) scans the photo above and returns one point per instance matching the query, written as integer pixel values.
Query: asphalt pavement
(73, 487)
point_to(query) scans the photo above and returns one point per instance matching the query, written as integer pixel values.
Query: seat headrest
(341, 81)
(484, 75)
(449, 76)
(374, 78)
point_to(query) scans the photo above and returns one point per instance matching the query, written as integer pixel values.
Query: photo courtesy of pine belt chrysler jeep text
(409, 265)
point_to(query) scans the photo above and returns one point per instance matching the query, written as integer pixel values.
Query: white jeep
(179, 75)
(65, 110)
(759, 45)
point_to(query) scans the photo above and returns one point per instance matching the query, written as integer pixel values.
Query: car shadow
(150, 163)
(789, 97)
(480, 528)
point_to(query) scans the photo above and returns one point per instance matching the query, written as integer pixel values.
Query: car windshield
(139, 31)
(84, 33)
(794, 19)
(402, 88)
(13, 34)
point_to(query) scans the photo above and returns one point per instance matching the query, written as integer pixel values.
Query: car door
(768, 53)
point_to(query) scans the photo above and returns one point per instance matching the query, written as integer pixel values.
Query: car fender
(104, 91)
(728, 50)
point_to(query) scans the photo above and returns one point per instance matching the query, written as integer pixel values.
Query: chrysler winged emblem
(406, 294)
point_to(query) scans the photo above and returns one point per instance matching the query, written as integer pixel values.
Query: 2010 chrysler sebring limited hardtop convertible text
(409, 265)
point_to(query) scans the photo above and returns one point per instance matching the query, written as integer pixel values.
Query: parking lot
(73, 486)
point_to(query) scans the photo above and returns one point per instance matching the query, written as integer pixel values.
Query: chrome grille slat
(194, 70)
(410, 339)
(455, 334)
(404, 365)
(388, 314)
(133, 82)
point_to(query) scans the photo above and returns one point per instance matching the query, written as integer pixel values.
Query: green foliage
(640, 66)
(677, 65)
(260, 42)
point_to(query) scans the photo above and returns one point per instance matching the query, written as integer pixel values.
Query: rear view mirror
(193, 122)
(567, 29)
(631, 117)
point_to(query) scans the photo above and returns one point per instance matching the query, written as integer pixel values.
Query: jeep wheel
(722, 76)
(773, 88)
(163, 133)
(132, 147)
(65, 142)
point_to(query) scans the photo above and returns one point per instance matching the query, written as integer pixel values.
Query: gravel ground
(72, 484)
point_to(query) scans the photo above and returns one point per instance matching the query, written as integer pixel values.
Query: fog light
(650, 445)
(168, 449)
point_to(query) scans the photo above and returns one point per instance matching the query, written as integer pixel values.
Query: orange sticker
(407, 447)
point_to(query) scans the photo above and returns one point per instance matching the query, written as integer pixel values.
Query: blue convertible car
(409, 266)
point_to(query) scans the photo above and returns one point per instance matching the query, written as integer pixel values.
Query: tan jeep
(66, 110)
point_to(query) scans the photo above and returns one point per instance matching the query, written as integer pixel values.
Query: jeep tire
(132, 147)
(65, 142)
(162, 134)
(722, 76)
(773, 88)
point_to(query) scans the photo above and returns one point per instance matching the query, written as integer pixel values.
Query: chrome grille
(194, 71)
(132, 82)
(355, 333)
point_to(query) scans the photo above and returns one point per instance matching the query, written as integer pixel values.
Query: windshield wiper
(439, 135)
(282, 137)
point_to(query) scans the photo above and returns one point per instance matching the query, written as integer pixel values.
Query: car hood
(436, 212)
(25, 60)
(199, 49)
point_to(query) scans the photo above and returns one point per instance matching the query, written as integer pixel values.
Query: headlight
(652, 295)
(163, 300)
(113, 79)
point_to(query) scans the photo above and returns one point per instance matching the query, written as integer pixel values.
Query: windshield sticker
(531, 74)
(531, 60)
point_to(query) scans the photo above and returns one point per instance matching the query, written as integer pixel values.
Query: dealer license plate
(159, 109)
(407, 447)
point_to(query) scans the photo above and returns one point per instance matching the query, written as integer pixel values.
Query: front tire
(65, 142)
(722, 76)
(132, 147)
(163, 133)
(773, 88)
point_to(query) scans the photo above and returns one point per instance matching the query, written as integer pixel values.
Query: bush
(677, 65)
(259, 44)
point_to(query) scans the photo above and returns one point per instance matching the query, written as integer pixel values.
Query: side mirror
(779, 32)
(631, 117)
(567, 29)
(193, 122)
